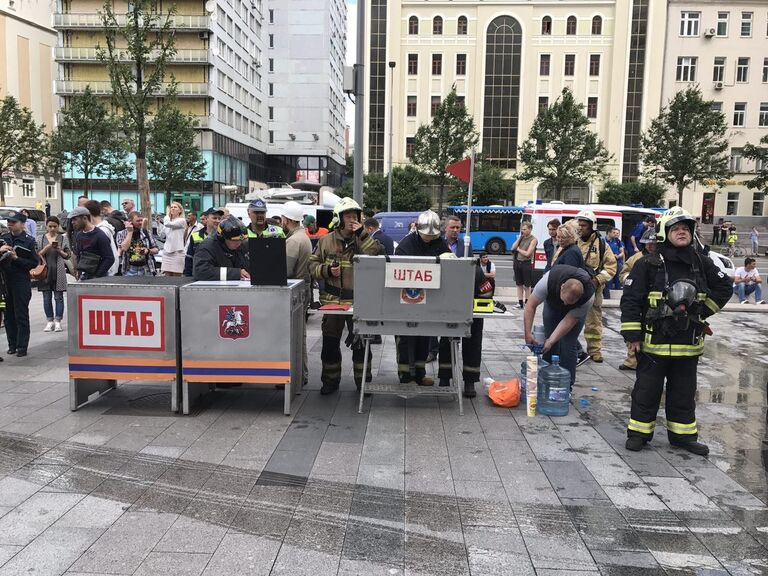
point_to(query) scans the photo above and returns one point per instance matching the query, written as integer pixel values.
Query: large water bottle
(554, 389)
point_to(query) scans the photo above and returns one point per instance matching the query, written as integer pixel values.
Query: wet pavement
(122, 486)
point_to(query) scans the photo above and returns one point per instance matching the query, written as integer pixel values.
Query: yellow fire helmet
(673, 216)
(344, 205)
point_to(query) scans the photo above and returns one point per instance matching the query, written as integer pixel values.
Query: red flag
(460, 169)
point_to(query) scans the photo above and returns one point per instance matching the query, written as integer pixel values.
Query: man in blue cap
(18, 255)
(258, 228)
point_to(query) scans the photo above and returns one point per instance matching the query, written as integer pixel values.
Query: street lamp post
(391, 132)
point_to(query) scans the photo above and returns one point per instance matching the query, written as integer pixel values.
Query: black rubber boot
(693, 447)
(328, 389)
(445, 381)
(469, 390)
(635, 443)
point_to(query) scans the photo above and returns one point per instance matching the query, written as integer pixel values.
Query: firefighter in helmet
(667, 298)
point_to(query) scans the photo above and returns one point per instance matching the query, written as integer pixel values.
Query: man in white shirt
(746, 281)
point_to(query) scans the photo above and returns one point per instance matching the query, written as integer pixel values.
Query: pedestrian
(93, 250)
(128, 206)
(550, 244)
(116, 218)
(18, 255)
(732, 240)
(137, 248)
(567, 293)
(600, 264)
(617, 247)
(754, 240)
(524, 249)
(54, 252)
(30, 225)
(667, 298)
(716, 234)
(314, 231)
(223, 256)
(488, 268)
(648, 246)
(102, 224)
(451, 231)
(746, 281)
(210, 220)
(175, 224)
(567, 251)
(331, 263)
(192, 226)
(724, 226)
(82, 199)
(374, 230)
(259, 227)
(640, 228)
(47, 208)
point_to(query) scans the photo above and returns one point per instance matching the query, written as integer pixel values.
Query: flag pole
(467, 239)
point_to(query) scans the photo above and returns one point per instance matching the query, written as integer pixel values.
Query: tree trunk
(440, 197)
(143, 181)
(680, 190)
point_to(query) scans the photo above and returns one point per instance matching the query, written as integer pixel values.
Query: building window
(410, 108)
(28, 188)
(718, 70)
(271, 89)
(570, 26)
(437, 64)
(461, 26)
(722, 23)
(689, 23)
(739, 114)
(437, 25)
(50, 190)
(271, 40)
(7, 188)
(543, 103)
(413, 25)
(742, 70)
(758, 199)
(271, 16)
(597, 26)
(546, 26)
(271, 137)
(716, 107)
(570, 65)
(733, 204)
(461, 64)
(594, 64)
(544, 60)
(763, 118)
(592, 107)
(410, 147)
(765, 69)
(746, 24)
(434, 105)
(271, 64)
(413, 64)
(686, 69)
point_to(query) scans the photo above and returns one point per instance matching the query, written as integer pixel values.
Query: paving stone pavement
(409, 487)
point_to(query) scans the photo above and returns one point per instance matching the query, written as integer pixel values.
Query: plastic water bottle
(554, 389)
(539, 334)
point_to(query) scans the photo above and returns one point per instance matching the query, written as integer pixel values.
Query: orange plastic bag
(506, 394)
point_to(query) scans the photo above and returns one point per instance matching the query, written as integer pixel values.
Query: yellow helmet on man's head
(344, 205)
(673, 216)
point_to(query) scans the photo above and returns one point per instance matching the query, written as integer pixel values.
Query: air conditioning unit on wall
(718, 86)
(203, 35)
(709, 32)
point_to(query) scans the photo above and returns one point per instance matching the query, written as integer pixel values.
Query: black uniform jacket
(26, 249)
(212, 255)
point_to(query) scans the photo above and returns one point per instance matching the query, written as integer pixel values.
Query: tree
(173, 158)
(760, 155)
(89, 139)
(643, 192)
(137, 72)
(444, 141)
(22, 141)
(562, 150)
(488, 187)
(408, 190)
(686, 142)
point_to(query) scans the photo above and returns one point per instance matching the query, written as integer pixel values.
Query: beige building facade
(723, 47)
(27, 72)
(507, 60)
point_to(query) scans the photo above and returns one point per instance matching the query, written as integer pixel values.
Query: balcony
(183, 89)
(203, 122)
(183, 56)
(93, 21)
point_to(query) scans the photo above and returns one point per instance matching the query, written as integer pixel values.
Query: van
(395, 224)
(323, 216)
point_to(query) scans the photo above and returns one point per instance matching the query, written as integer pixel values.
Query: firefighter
(666, 300)
(222, 256)
(331, 263)
(600, 264)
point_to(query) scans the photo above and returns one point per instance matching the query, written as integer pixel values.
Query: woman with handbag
(173, 249)
(51, 275)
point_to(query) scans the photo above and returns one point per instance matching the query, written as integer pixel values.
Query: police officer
(210, 219)
(600, 264)
(222, 256)
(18, 255)
(666, 299)
(331, 263)
(258, 228)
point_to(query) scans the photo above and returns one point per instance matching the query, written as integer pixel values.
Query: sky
(351, 50)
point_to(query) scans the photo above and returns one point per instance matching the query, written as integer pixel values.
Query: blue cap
(15, 216)
(257, 206)
(555, 358)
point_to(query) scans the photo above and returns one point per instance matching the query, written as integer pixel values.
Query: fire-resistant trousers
(471, 355)
(412, 352)
(332, 330)
(680, 375)
(593, 327)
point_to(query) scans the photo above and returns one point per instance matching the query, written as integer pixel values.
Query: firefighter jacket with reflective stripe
(332, 248)
(599, 258)
(645, 316)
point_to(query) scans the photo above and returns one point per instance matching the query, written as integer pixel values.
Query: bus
(493, 228)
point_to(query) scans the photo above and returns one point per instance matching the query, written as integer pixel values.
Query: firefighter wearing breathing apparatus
(666, 299)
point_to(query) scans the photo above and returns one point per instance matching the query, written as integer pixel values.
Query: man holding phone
(137, 249)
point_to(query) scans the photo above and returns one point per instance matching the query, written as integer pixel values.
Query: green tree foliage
(173, 158)
(89, 139)
(562, 150)
(445, 141)
(643, 192)
(686, 142)
(137, 72)
(760, 155)
(489, 186)
(23, 145)
(408, 190)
